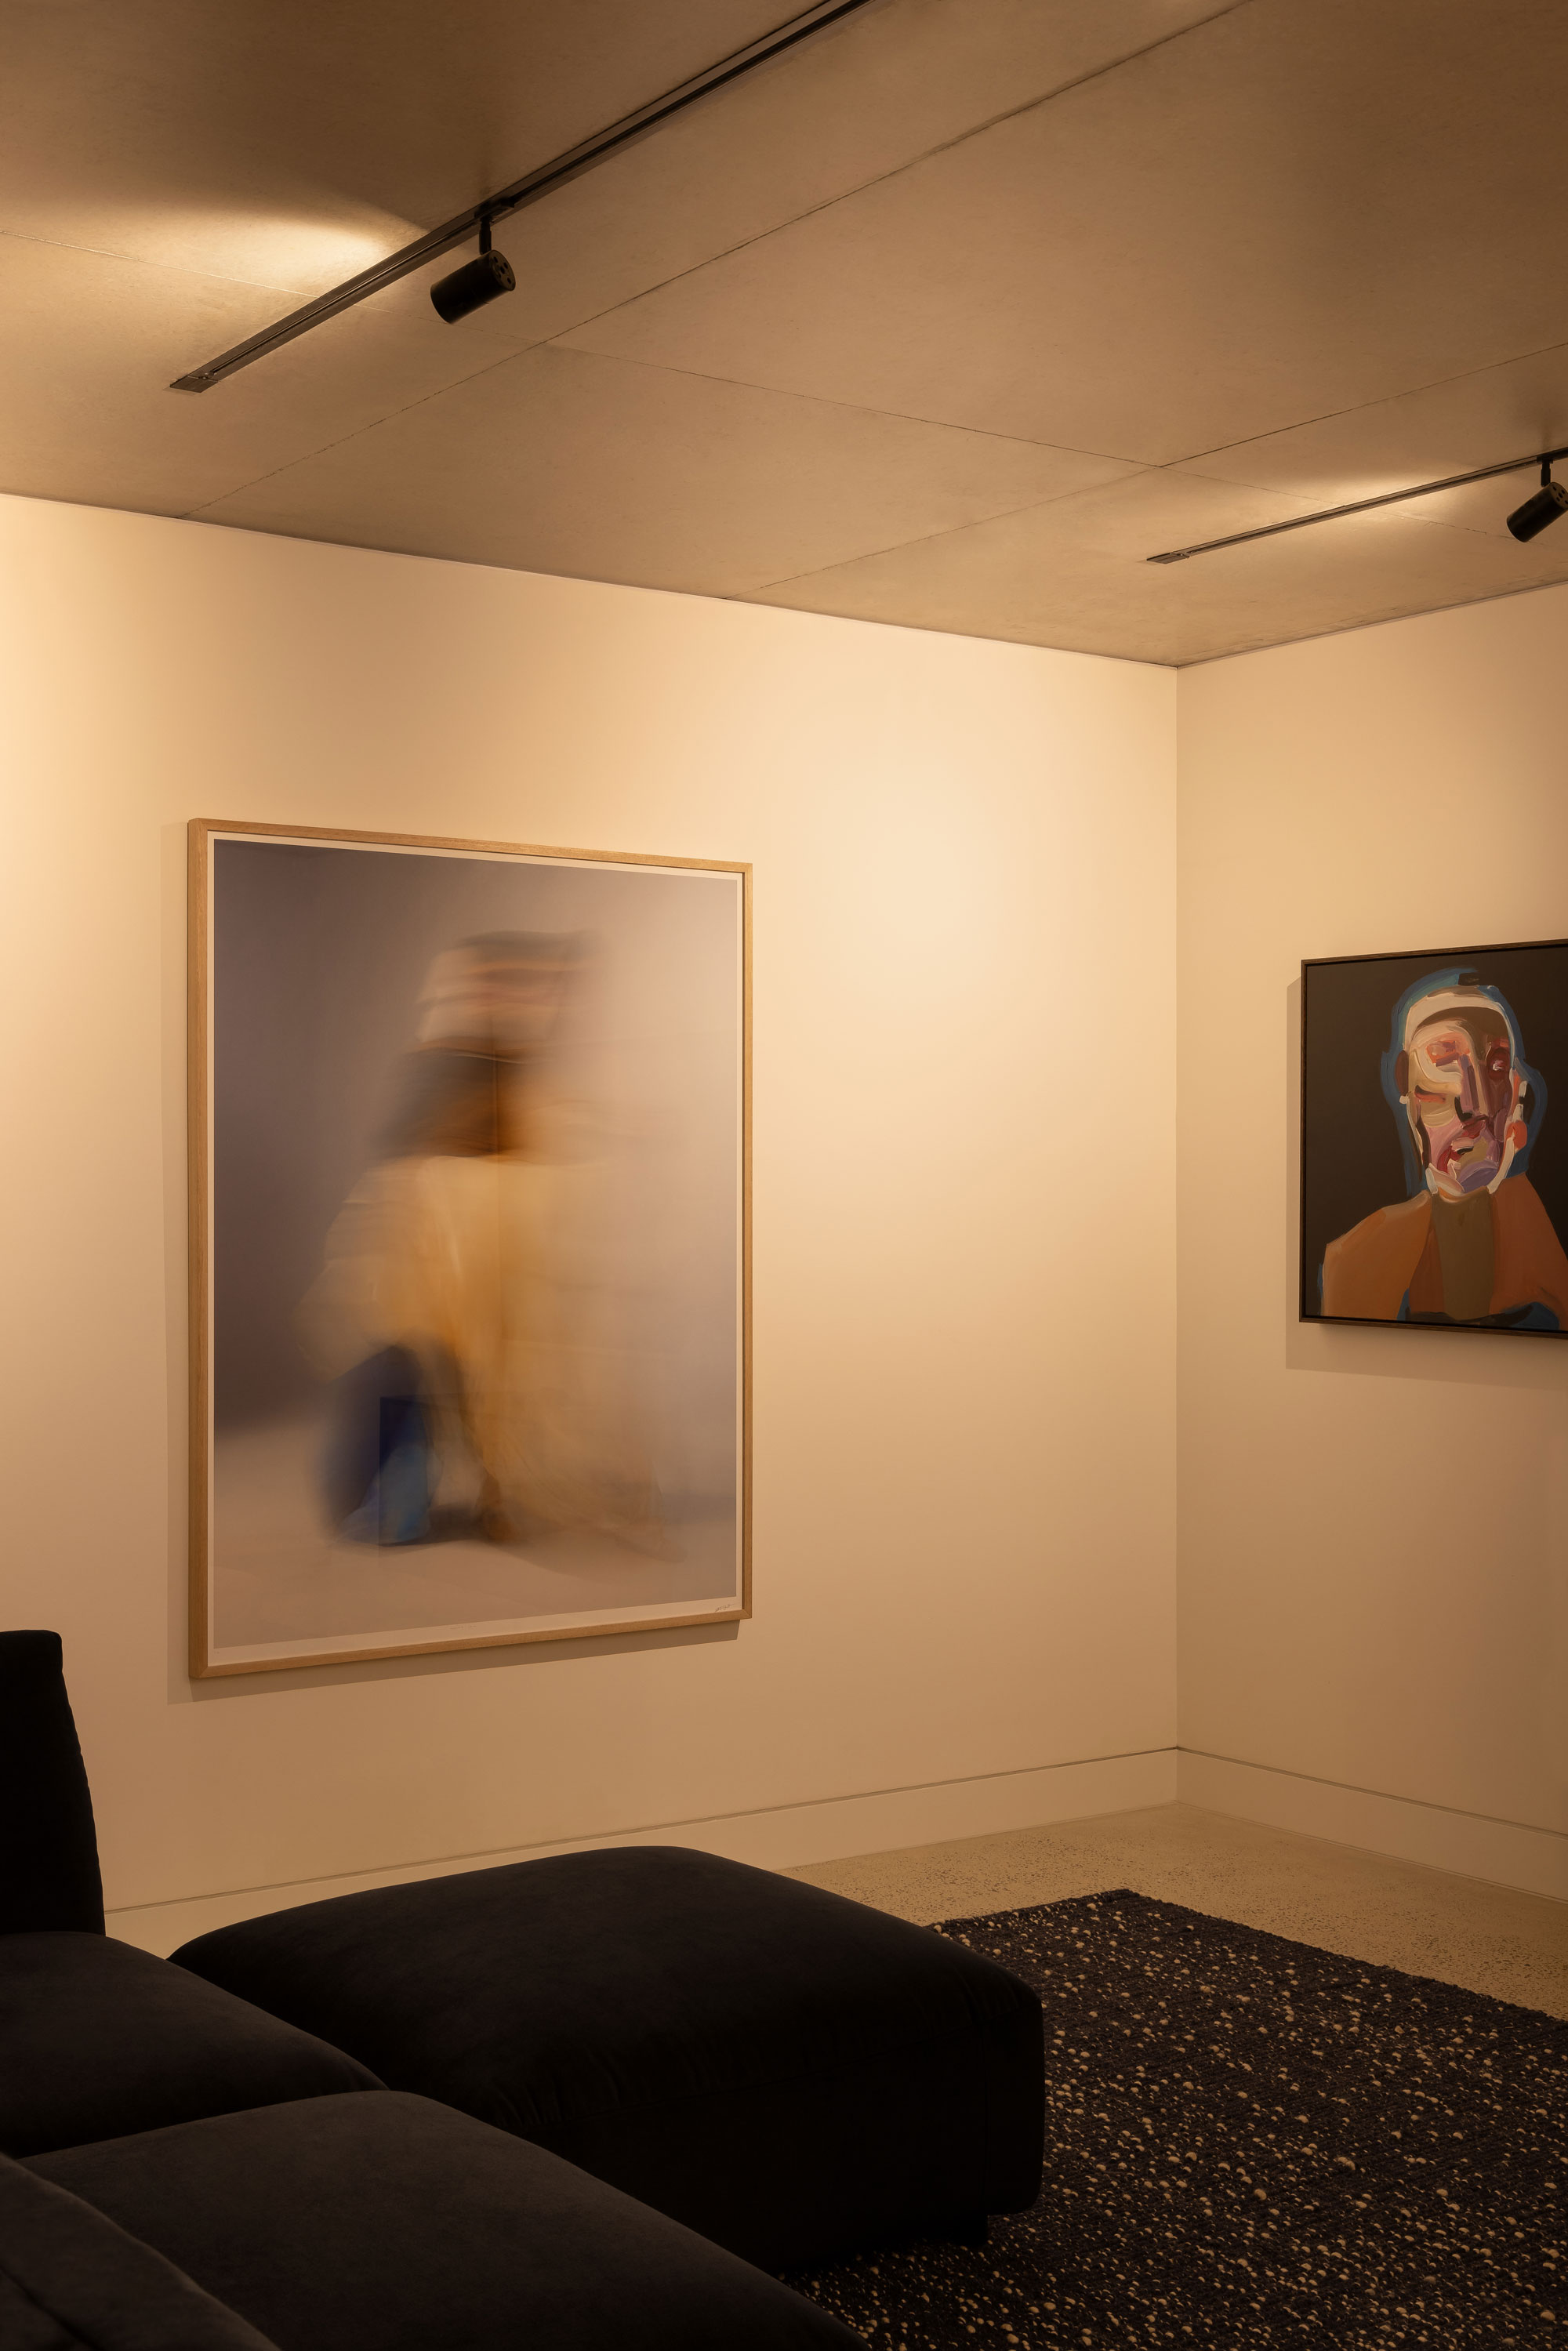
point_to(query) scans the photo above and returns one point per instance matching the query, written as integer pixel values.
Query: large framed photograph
(1434, 1170)
(469, 1217)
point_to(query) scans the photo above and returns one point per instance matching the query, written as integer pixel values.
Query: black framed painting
(1434, 1163)
(469, 1245)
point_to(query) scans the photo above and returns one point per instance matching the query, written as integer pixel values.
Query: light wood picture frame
(470, 1132)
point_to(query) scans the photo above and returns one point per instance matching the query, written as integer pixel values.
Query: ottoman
(789, 2074)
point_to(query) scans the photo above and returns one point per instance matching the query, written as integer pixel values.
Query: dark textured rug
(1251, 2142)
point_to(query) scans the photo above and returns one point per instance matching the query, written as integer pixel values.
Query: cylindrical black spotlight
(477, 283)
(1543, 505)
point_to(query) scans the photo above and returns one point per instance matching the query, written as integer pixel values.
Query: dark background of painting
(1353, 1160)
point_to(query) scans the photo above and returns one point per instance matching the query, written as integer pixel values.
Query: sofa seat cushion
(388, 2223)
(98, 2038)
(789, 2072)
(71, 2280)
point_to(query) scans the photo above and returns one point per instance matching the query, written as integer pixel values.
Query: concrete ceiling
(951, 318)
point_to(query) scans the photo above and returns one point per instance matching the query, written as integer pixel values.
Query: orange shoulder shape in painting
(1530, 1264)
(1367, 1270)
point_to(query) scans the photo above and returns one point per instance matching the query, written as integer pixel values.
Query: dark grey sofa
(567, 2103)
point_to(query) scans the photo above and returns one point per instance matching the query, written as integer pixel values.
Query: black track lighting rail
(1543, 458)
(520, 193)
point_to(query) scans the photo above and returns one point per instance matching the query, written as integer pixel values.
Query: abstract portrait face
(1460, 1082)
(1433, 1208)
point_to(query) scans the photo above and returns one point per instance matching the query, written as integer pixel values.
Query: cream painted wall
(1375, 1524)
(965, 1054)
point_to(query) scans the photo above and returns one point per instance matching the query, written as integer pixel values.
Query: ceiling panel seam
(850, 407)
(912, 164)
(559, 340)
(306, 457)
(1097, 489)
(1361, 407)
(948, 530)
(656, 367)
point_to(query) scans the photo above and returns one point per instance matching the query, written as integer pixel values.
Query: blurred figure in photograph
(464, 1313)
(1474, 1244)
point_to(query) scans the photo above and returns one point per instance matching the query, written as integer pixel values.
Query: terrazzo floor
(1485, 1939)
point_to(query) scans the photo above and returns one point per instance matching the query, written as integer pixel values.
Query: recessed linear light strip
(1548, 503)
(534, 185)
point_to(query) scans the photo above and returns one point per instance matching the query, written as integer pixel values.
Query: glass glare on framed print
(469, 1245)
(1434, 1163)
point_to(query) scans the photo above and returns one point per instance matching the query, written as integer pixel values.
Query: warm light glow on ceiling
(300, 251)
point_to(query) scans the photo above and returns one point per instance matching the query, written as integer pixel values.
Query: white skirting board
(786, 1838)
(1504, 1852)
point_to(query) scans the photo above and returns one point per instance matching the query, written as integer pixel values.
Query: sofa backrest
(48, 1847)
